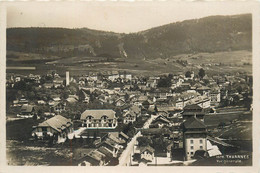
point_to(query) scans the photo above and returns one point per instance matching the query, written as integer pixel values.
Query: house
(131, 114)
(58, 82)
(72, 99)
(114, 137)
(48, 85)
(215, 97)
(83, 96)
(20, 102)
(41, 102)
(111, 145)
(203, 90)
(136, 110)
(58, 107)
(123, 136)
(27, 111)
(129, 117)
(156, 132)
(202, 101)
(99, 118)
(194, 137)
(93, 158)
(185, 86)
(113, 76)
(120, 102)
(160, 122)
(147, 153)
(56, 125)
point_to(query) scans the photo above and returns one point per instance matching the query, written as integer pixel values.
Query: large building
(194, 137)
(193, 111)
(99, 118)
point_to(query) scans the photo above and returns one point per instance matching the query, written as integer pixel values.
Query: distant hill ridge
(208, 34)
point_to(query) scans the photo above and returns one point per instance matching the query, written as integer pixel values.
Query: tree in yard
(35, 137)
(81, 140)
(155, 109)
(188, 74)
(201, 73)
(143, 141)
(50, 142)
(165, 81)
(146, 104)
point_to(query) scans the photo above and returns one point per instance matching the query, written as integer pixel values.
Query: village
(115, 118)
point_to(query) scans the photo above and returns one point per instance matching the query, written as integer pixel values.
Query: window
(201, 147)
(201, 141)
(191, 147)
(44, 129)
(191, 141)
(191, 153)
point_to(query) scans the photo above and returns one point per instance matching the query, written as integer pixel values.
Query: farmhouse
(56, 125)
(27, 111)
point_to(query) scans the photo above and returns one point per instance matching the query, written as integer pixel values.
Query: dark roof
(162, 119)
(95, 154)
(193, 123)
(98, 113)
(124, 135)
(27, 108)
(105, 151)
(58, 123)
(194, 106)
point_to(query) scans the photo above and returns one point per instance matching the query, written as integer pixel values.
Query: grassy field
(234, 62)
(20, 154)
(215, 119)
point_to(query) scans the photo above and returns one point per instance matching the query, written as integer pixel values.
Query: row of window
(191, 141)
(98, 121)
(201, 147)
(101, 125)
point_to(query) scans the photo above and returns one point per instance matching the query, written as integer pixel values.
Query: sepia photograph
(129, 84)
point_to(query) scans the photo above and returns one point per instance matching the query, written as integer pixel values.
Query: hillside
(209, 34)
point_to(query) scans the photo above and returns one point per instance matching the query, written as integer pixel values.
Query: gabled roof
(120, 99)
(161, 118)
(129, 113)
(194, 123)
(124, 135)
(98, 113)
(193, 106)
(57, 122)
(96, 155)
(105, 151)
(27, 108)
(115, 139)
(142, 98)
(135, 109)
(203, 88)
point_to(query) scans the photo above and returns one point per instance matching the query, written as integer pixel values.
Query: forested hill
(209, 34)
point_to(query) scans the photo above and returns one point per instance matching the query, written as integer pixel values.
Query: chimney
(67, 78)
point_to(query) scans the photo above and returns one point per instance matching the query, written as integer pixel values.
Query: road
(124, 159)
(219, 113)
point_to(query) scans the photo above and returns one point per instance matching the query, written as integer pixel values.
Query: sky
(122, 17)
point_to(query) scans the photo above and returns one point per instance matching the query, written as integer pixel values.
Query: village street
(125, 158)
